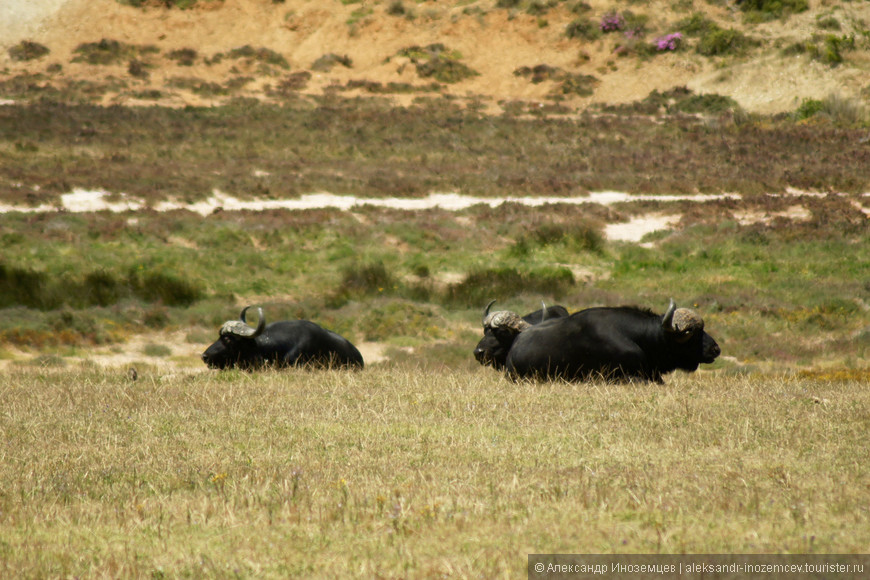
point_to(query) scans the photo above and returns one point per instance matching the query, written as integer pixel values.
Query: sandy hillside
(492, 41)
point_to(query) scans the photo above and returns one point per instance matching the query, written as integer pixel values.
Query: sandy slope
(494, 42)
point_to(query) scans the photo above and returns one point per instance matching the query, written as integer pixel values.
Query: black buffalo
(493, 351)
(622, 343)
(280, 344)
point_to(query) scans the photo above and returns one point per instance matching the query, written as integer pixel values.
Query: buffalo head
(500, 328)
(685, 328)
(237, 344)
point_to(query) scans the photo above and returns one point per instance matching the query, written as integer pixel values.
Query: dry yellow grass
(392, 472)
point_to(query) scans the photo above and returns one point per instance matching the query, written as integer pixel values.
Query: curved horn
(505, 320)
(668, 318)
(486, 311)
(683, 323)
(241, 328)
(543, 311)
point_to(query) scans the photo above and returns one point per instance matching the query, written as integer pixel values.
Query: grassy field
(397, 473)
(424, 464)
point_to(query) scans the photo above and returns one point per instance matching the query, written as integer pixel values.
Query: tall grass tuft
(835, 108)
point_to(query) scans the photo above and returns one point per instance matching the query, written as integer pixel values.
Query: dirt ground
(494, 42)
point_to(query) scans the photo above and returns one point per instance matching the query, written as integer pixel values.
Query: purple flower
(611, 21)
(668, 42)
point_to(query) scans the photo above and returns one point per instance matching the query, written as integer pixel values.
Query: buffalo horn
(506, 320)
(242, 328)
(486, 311)
(668, 318)
(683, 322)
(543, 311)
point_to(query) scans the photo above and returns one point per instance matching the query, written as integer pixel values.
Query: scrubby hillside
(491, 53)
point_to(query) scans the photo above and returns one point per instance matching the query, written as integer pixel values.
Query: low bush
(180, 4)
(721, 42)
(829, 50)
(107, 51)
(696, 25)
(328, 61)
(808, 108)
(39, 290)
(198, 86)
(771, 9)
(438, 62)
(573, 237)
(183, 56)
(27, 50)
(481, 286)
(260, 55)
(834, 108)
(363, 281)
(539, 73)
(611, 22)
(584, 29)
(710, 103)
(383, 320)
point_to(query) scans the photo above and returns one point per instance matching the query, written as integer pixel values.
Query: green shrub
(326, 62)
(539, 73)
(261, 55)
(137, 68)
(386, 319)
(576, 84)
(437, 62)
(366, 280)
(769, 9)
(396, 8)
(183, 56)
(445, 70)
(584, 29)
(719, 42)
(827, 49)
(108, 51)
(198, 86)
(578, 237)
(828, 23)
(841, 111)
(180, 4)
(711, 103)
(20, 287)
(635, 23)
(479, 287)
(696, 25)
(102, 289)
(831, 50)
(166, 288)
(808, 108)
(27, 50)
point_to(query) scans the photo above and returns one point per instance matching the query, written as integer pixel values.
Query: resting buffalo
(492, 351)
(280, 344)
(621, 343)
